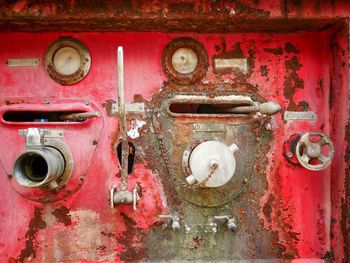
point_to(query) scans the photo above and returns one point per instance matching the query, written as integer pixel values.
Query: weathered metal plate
(23, 62)
(208, 127)
(238, 63)
(300, 116)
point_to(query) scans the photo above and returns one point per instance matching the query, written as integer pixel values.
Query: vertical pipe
(122, 119)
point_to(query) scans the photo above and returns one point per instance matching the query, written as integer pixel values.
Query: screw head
(289, 155)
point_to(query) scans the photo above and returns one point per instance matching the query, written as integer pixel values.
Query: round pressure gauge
(185, 61)
(67, 61)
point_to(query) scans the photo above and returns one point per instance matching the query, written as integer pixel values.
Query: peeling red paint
(297, 55)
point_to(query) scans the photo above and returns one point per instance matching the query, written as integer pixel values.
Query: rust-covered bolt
(231, 225)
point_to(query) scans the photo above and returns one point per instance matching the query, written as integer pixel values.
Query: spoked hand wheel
(309, 153)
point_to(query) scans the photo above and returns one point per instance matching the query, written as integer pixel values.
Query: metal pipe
(39, 167)
(122, 120)
(268, 108)
(78, 116)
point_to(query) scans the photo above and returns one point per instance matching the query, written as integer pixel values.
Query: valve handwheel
(309, 153)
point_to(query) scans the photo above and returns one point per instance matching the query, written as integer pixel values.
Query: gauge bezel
(174, 75)
(85, 61)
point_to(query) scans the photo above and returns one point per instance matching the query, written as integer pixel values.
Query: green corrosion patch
(35, 224)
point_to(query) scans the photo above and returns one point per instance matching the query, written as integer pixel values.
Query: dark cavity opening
(131, 155)
(35, 167)
(40, 116)
(198, 108)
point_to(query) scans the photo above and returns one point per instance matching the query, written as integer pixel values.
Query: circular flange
(67, 61)
(68, 160)
(185, 61)
(67, 183)
(204, 155)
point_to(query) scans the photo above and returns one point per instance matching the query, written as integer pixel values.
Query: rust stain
(244, 10)
(264, 71)
(235, 52)
(131, 252)
(345, 210)
(292, 82)
(267, 209)
(283, 217)
(290, 48)
(35, 224)
(276, 51)
(62, 215)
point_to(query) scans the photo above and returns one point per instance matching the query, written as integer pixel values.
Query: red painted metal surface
(301, 70)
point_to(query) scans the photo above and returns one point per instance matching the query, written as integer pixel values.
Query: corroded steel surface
(284, 211)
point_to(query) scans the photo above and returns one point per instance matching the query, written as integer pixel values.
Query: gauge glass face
(184, 60)
(67, 61)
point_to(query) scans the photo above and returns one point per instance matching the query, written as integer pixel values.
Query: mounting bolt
(87, 103)
(47, 101)
(290, 155)
(257, 139)
(231, 225)
(169, 95)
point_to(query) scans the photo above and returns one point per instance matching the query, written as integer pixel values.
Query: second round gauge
(184, 60)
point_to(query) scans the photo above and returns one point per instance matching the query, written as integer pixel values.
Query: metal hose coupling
(39, 166)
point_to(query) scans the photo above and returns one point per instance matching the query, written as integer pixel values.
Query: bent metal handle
(79, 116)
(267, 108)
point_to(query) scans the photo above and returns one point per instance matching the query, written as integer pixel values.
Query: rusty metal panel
(281, 210)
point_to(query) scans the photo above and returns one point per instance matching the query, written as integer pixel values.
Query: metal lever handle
(267, 108)
(78, 116)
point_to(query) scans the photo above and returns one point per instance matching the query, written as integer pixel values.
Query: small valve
(125, 197)
(175, 221)
(230, 222)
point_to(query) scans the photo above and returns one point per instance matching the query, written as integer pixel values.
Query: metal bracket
(112, 108)
(35, 136)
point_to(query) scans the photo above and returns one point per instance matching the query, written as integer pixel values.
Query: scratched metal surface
(286, 212)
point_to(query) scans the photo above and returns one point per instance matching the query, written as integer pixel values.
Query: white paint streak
(133, 133)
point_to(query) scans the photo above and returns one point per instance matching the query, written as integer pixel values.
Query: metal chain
(172, 172)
